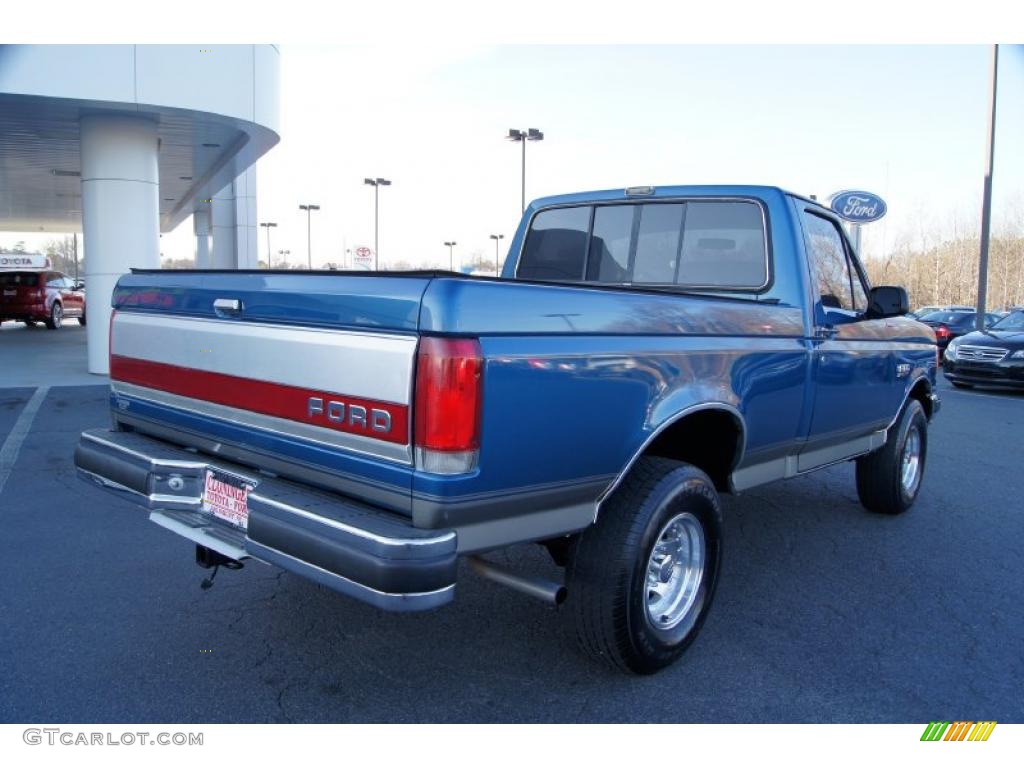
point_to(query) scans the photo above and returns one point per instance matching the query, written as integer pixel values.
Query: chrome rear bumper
(359, 550)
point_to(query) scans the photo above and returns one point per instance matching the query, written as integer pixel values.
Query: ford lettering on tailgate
(337, 412)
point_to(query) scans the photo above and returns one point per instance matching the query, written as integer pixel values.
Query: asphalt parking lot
(824, 613)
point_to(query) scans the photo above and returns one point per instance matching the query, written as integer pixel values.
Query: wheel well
(921, 392)
(710, 440)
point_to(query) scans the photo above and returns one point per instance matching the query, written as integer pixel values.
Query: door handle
(825, 332)
(227, 307)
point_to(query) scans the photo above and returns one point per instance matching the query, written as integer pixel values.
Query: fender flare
(906, 396)
(727, 408)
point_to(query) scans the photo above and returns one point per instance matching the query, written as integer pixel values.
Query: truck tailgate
(306, 376)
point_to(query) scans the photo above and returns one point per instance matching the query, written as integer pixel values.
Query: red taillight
(449, 382)
(942, 332)
(110, 340)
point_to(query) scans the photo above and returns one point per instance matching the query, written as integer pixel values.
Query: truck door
(854, 366)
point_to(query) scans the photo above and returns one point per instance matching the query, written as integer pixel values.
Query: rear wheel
(56, 316)
(81, 318)
(642, 578)
(889, 479)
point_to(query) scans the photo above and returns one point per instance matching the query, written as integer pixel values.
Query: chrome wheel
(675, 571)
(57, 315)
(910, 462)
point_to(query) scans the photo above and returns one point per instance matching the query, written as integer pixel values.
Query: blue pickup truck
(644, 351)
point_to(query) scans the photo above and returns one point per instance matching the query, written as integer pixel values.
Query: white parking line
(12, 445)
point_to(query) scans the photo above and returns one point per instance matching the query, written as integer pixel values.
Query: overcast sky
(906, 122)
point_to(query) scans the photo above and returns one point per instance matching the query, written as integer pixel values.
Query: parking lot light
(531, 134)
(309, 208)
(268, 225)
(376, 183)
(496, 238)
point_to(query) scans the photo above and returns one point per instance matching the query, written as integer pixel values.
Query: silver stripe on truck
(284, 427)
(373, 366)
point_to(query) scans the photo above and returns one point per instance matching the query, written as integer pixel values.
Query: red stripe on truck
(354, 415)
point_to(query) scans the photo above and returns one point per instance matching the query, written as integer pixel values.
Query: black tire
(56, 318)
(607, 577)
(961, 385)
(880, 476)
(81, 318)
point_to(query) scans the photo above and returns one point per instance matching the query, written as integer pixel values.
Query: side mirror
(888, 301)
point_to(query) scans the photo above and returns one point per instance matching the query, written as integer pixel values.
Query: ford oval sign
(858, 207)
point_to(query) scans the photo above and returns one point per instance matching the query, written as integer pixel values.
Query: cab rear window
(556, 247)
(26, 279)
(695, 244)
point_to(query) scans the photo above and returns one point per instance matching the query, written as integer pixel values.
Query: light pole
(496, 238)
(268, 225)
(376, 184)
(284, 256)
(986, 200)
(451, 260)
(309, 208)
(531, 134)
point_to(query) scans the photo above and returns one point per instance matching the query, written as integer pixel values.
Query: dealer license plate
(227, 498)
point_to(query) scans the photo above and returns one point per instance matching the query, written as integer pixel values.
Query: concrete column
(246, 231)
(222, 221)
(120, 214)
(233, 223)
(201, 227)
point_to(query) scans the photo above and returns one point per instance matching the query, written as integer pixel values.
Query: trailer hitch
(209, 558)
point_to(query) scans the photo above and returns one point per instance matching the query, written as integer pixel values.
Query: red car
(41, 296)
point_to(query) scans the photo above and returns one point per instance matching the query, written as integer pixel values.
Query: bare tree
(62, 255)
(938, 271)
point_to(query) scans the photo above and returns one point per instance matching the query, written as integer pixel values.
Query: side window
(860, 296)
(858, 280)
(828, 262)
(556, 245)
(54, 280)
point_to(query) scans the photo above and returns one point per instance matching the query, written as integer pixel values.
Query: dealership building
(125, 142)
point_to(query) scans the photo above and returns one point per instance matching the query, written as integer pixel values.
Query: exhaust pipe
(549, 592)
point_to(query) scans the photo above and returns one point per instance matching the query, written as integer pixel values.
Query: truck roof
(640, 193)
